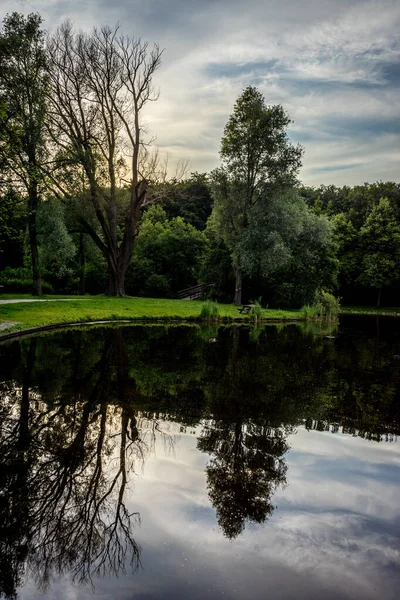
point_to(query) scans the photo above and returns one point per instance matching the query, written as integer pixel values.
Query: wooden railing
(194, 292)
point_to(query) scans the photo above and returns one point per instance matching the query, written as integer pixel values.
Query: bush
(14, 273)
(24, 286)
(157, 286)
(209, 311)
(328, 305)
(19, 280)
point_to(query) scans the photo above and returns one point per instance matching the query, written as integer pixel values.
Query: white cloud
(322, 60)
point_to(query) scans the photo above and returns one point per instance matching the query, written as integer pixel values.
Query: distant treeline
(177, 247)
(366, 221)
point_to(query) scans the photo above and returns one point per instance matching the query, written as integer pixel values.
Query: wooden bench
(246, 308)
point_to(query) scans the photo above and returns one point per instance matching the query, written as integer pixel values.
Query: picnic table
(246, 308)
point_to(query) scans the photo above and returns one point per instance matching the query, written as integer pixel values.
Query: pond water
(186, 462)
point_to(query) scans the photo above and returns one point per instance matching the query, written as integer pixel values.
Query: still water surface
(156, 463)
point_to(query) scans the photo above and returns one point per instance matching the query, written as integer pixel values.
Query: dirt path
(8, 324)
(40, 300)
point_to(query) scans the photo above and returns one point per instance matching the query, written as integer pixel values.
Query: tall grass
(309, 312)
(209, 311)
(256, 312)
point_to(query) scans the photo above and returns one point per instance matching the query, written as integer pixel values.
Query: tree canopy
(23, 91)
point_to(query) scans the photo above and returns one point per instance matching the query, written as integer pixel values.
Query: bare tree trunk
(378, 303)
(238, 285)
(32, 212)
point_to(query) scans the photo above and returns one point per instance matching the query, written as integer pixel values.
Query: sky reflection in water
(238, 486)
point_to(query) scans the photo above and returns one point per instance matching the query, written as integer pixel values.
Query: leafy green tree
(216, 267)
(312, 264)
(57, 249)
(380, 240)
(12, 227)
(23, 85)
(190, 199)
(346, 238)
(168, 254)
(258, 162)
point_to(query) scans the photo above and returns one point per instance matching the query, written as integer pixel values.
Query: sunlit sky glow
(333, 64)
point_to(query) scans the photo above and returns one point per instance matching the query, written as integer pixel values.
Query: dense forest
(86, 206)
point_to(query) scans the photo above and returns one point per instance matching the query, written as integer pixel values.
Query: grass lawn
(97, 308)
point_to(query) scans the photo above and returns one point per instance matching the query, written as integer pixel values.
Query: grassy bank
(370, 310)
(98, 308)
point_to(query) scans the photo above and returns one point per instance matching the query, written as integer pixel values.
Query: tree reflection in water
(64, 471)
(80, 412)
(246, 468)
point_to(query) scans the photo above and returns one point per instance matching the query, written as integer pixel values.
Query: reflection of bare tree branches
(80, 523)
(65, 470)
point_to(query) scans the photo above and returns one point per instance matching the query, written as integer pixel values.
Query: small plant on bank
(209, 311)
(309, 312)
(256, 311)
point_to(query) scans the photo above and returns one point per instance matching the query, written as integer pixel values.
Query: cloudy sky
(333, 64)
(334, 532)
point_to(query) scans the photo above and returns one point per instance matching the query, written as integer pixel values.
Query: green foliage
(258, 163)
(328, 305)
(312, 261)
(257, 311)
(12, 228)
(167, 256)
(56, 247)
(23, 82)
(19, 280)
(255, 144)
(216, 265)
(209, 311)
(23, 90)
(347, 246)
(380, 241)
(309, 312)
(365, 234)
(190, 199)
(157, 286)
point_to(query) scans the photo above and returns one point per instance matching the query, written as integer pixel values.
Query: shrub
(209, 310)
(19, 281)
(326, 306)
(157, 286)
(256, 311)
(14, 273)
(329, 305)
(24, 286)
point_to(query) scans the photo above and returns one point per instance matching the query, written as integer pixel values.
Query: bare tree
(100, 84)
